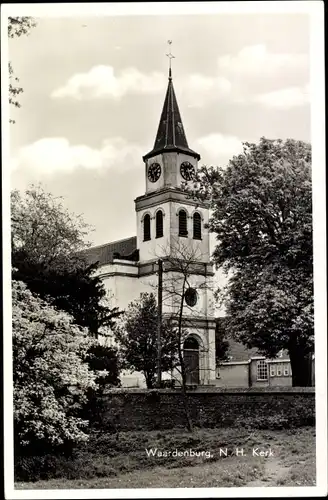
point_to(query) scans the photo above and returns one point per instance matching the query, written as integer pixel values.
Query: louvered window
(146, 227)
(159, 224)
(183, 231)
(197, 225)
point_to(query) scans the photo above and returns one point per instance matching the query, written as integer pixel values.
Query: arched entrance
(191, 360)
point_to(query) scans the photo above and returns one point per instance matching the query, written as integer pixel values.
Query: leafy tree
(51, 377)
(101, 357)
(47, 255)
(262, 217)
(137, 337)
(17, 26)
(45, 230)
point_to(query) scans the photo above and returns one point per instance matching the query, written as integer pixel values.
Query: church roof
(170, 134)
(104, 254)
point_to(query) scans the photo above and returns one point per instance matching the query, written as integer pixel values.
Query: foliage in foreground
(137, 337)
(51, 377)
(262, 218)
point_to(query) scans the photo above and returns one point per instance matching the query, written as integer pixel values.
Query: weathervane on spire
(170, 56)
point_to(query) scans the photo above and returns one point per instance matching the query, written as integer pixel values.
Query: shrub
(51, 378)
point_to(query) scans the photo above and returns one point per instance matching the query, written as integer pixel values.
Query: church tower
(170, 224)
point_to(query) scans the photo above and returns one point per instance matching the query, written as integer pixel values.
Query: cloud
(198, 90)
(101, 81)
(218, 149)
(285, 98)
(55, 154)
(238, 78)
(256, 60)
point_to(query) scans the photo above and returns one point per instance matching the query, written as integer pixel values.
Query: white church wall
(170, 164)
(124, 289)
(155, 247)
(211, 357)
(121, 282)
(198, 248)
(181, 157)
(172, 285)
(153, 186)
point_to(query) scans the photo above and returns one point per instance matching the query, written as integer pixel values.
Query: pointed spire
(170, 134)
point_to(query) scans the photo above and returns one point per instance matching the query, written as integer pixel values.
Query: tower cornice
(165, 195)
(171, 149)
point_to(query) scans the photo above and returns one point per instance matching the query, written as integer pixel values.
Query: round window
(191, 297)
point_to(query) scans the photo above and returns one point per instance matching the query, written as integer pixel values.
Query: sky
(94, 89)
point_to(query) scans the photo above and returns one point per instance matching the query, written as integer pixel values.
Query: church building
(171, 227)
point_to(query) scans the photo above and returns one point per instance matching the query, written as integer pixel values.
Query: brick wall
(260, 407)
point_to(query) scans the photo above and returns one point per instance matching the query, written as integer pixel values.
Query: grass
(299, 459)
(123, 463)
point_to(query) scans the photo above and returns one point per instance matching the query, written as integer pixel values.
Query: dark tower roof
(170, 134)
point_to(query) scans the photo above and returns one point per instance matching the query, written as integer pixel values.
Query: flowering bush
(51, 376)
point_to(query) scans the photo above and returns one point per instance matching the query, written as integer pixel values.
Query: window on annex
(183, 230)
(159, 224)
(262, 370)
(146, 227)
(197, 226)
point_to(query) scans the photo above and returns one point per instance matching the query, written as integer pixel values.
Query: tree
(182, 262)
(262, 218)
(51, 376)
(45, 230)
(47, 255)
(17, 26)
(101, 357)
(137, 338)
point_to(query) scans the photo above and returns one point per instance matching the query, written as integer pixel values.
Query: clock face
(154, 172)
(187, 170)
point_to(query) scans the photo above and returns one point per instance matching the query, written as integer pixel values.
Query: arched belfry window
(197, 226)
(146, 227)
(159, 224)
(183, 230)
